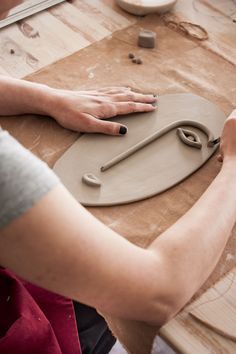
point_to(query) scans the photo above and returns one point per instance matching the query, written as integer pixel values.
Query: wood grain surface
(26, 9)
(41, 39)
(213, 323)
(216, 308)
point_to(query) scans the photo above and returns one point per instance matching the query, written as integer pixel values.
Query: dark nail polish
(123, 130)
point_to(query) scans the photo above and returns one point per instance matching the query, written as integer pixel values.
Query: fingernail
(123, 130)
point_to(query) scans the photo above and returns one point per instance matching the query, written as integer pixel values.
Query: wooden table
(56, 33)
(180, 63)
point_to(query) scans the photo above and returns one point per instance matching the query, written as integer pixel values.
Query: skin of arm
(83, 111)
(58, 245)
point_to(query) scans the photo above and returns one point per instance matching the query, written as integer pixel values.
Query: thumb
(102, 126)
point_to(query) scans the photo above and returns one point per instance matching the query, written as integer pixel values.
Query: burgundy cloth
(34, 320)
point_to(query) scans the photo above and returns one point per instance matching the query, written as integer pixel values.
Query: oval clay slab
(153, 169)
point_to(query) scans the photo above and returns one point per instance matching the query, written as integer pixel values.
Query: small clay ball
(131, 55)
(139, 61)
(134, 60)
(12, 51)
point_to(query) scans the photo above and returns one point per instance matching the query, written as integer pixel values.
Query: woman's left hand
(86, 111)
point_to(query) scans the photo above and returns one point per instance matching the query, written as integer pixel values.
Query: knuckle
(132, 106)
(108, 110)
(89, 125)
(84, 121)
(101, 114)
(113, 110)
(110, 128)
(103, 105)
(130, 96)
(83, 118)
(104, 108)
(97, 101)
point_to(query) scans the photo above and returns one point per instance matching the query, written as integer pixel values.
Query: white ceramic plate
(144, 7)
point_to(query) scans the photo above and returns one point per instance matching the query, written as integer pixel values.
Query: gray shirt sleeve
(24, 179)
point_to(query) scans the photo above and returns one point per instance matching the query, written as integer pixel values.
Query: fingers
(135, 97)
(115, 90)
(94, 125)
(106, 90)
(133, 107)
(119, 94)
(111, 109)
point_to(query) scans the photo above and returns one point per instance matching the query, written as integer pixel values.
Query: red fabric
(34, 320)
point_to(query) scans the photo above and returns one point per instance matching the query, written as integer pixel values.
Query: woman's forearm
(22, 97)
(112, 274)
(191, 248)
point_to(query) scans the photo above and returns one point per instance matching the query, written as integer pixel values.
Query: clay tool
(216, 141)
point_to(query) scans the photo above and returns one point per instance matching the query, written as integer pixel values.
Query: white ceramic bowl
(144, 7)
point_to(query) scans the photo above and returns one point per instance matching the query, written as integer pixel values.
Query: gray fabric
(24, 179)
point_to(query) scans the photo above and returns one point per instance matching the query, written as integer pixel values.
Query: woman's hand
(82, 111)
(228, 140)
(86, 111)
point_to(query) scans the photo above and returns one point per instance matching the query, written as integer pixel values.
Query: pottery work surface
(216, 308)
(144, 7)
(213, 318)
(148, 171)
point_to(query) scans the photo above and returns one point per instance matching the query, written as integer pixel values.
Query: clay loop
(157, 135)
(91, 180)
(189, 137)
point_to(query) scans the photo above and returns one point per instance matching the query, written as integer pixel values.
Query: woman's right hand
(228, 140)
